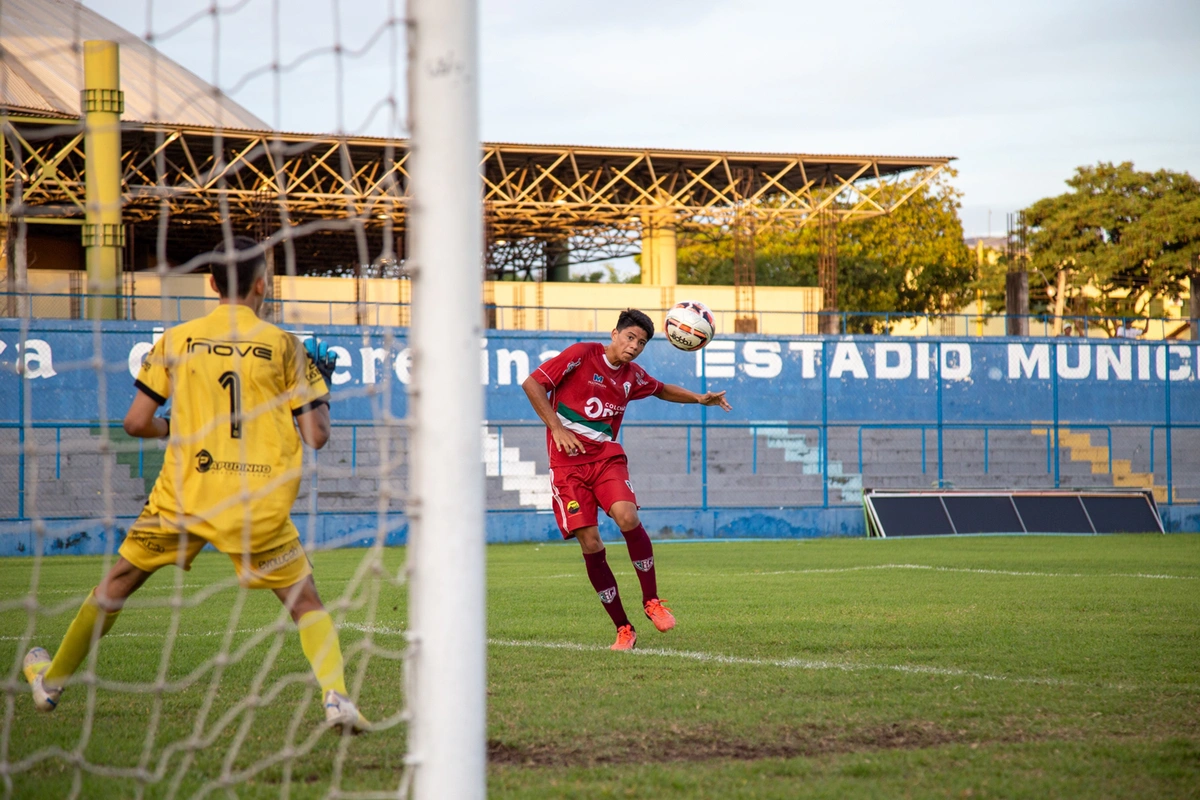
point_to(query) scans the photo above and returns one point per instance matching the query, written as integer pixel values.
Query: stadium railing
(697, 438)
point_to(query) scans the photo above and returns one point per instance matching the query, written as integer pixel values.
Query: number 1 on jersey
(233, 383)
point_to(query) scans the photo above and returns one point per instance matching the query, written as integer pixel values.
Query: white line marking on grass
(84, 592)
(790, 663)
(286, 629)
(932, 568)
(688, 655)
(148, 634)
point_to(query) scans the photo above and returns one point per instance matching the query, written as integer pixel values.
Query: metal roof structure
(340, 200)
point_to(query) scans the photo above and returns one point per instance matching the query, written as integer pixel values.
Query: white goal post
(447, 739)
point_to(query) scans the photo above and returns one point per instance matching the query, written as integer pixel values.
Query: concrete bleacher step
(780, 467)
(1081, 449)
(516, 475)
(797, 450)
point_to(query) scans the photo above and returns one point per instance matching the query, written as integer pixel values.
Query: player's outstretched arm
(140, 420)
(677, 394)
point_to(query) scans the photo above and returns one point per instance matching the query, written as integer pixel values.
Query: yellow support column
(101, 104)
(658, 250)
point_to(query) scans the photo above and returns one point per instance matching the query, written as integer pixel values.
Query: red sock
(601, 576)
(641, 553)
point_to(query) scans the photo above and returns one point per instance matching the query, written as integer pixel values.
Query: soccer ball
(689, 325)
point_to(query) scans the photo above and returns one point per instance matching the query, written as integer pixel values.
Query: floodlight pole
(447, 744)
(102, 102)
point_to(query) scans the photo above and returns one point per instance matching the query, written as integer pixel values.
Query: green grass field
(975, 667)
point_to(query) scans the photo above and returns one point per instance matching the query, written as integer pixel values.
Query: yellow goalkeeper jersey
(233, 461)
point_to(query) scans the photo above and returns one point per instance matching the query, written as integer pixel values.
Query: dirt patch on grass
(710, 744)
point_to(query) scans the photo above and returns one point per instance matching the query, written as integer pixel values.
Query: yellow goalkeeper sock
(319, 639)
(78, 640)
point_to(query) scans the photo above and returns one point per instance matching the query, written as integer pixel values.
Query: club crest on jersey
(597, 378)
(645, 565)
(628, 386)
(572, 507)
(608, 595)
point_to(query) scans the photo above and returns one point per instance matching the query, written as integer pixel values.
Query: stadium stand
(748, 467)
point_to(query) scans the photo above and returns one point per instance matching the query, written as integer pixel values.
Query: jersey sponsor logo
(595, 408)
(275, 562)
(572, 507)
(645, 565)
(206, 463)
(219, 348)
(641, 378)
(571, 366)
(147, 540)
(597, 378)
(607, 595)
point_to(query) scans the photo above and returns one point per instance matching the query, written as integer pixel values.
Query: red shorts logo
(572, 507)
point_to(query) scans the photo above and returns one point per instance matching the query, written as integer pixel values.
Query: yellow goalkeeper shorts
(150, 546)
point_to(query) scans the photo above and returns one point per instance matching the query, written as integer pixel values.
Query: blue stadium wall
(809, 381)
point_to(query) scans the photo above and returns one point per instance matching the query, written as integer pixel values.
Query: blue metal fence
(60, 375)
(703, 427)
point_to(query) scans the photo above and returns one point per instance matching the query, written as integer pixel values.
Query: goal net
(137, 137)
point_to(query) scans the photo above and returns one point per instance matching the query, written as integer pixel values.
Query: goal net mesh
(201, 687)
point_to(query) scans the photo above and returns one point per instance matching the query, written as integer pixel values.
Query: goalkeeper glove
(322, 359)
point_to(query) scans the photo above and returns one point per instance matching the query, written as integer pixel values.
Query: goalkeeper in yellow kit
(244, 394)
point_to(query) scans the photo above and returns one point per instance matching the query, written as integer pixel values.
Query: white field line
(794, 663)
(929, 567)
(829, 571)
(687, 655)
(979, 572)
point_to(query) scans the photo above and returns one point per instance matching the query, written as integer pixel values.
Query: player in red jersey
(581, 395)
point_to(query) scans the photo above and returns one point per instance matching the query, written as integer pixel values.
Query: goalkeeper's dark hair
(248, 266)
(631, 317)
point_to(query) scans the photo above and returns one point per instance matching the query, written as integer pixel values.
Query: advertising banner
(56, 370)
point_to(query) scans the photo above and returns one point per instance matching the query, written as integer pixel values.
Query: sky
(1021, 92)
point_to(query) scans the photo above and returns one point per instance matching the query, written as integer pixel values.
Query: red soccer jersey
(589, 395)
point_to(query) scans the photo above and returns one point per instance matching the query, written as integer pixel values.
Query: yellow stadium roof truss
(593, 200)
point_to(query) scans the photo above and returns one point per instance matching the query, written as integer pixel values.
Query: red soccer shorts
(580, 490)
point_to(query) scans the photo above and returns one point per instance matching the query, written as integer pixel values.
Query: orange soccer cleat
(626, 638)
(660, 615)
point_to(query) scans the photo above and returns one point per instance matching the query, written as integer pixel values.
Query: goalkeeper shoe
(342, 715)
(660, 615)
(37, 661)
(626, 638)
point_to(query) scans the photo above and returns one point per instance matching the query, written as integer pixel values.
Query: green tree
(910, 262)
(1126, 238)
(606, 274)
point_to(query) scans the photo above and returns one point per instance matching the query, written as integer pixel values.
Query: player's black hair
(630, 317)
(249, 266)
